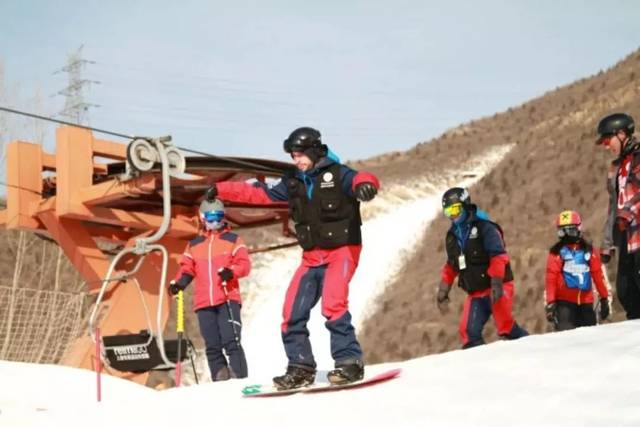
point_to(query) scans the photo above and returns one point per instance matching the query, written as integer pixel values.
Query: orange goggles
(453, 211)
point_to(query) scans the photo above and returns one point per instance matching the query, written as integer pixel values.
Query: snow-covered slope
(585, 377)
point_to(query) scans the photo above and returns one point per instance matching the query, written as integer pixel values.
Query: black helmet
(308, 141)
(613, 123)
(456, 195)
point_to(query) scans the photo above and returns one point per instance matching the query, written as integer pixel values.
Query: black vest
(474, 277)
(330, 218)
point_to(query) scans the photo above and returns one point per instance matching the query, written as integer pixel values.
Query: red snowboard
(269, 390)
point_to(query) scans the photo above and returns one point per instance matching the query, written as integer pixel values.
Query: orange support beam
(48, 162)
(74, 166)
(181, 226)
(137, 220)
(109, 149)
(108, 234)
(79, 247)
(110, 191)
(24, 183)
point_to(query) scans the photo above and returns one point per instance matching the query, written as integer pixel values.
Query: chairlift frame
(88, 192)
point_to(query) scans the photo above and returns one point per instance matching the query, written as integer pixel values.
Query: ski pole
(191, 351)
(231, 319)
(193, 365)
(236, 335)
(179, 330)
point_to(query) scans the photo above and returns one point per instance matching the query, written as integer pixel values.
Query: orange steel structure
(79, 198)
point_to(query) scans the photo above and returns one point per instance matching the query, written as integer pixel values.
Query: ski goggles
(605, 139)
(453, 211)
(569, 230)
(213, 216)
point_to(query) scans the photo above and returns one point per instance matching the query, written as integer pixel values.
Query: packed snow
(584, 377)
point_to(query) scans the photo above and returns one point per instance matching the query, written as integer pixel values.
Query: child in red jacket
(216, 259)
(572, 265)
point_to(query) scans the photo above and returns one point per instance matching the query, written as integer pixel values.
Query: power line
(238, 162)
(64, 122)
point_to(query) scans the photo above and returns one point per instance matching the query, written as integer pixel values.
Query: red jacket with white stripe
(204, 256)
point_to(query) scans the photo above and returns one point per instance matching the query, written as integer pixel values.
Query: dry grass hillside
(554, 166)
(39, 266)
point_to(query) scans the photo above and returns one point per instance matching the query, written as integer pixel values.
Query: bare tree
(17, 271)
(4, 129)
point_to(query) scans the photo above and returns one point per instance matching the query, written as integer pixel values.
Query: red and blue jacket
(259, 193)
(557, 276)
(204, 256)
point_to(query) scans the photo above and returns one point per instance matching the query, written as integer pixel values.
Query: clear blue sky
(235, 77)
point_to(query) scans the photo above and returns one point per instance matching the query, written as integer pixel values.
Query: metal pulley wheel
(177, 163)
(141, 155)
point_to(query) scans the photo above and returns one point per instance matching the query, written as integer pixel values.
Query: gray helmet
(209, 206)
(212, 214)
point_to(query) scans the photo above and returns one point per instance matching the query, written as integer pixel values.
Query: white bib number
(462, 263)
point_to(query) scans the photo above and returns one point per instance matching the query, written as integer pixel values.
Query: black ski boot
(346, 372)
(296, 377)
(222, 375)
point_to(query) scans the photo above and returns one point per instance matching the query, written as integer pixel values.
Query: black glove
(604, 308)
(606, 254)
(174, 288)
(550, 312)
(366, 191)
(442, 297)
(225, 274)
(497, 291)
(211, 194)
(181, 284)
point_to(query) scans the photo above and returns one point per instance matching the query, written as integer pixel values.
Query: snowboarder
(572, 265)
(622, 228)
(324, 203)
(476, 255)
(216, 259)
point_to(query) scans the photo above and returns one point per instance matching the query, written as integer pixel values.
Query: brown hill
(554, 166)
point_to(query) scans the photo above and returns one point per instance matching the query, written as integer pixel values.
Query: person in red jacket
(216, 259)
(324, 203)
(573, 265)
